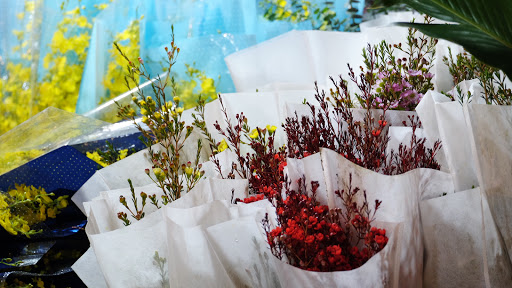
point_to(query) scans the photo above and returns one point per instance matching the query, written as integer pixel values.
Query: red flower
(276, 232)
(312, 220)
(310, 239)
(282, 165)
(335, 250)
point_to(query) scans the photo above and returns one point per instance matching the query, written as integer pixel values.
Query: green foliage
(482, 27)
(297, 11)
(467, 67)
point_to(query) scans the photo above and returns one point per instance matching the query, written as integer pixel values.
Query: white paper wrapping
(400, 196)
(88, 270)
(492, 145)
(378, 271)
(462, 245)
(219, 245)
(295, 57)
(444, 120)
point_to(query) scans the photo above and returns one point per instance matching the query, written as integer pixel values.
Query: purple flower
(397, 87)
(406, 84)
(428, 75)
(383, 75)
(408, 93)
(414, 73)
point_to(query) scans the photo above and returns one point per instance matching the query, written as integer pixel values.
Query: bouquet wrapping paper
(462, 245)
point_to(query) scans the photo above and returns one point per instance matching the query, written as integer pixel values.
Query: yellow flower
(40, 283)
(42, 213)
(46, 199)
(282, 3)
(96, 158)
(254, 134)
(51, 212)
(25, 228)
(157, 115)
(143, 111)
(179, 110)
(189, 171)
(271, 129)
(222, 145)
(123, 153)
(159, 173)
(62, 202)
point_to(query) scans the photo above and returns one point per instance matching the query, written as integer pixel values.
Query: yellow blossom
(222, 145)
(159, 173)
(254, 134)
(271, 129)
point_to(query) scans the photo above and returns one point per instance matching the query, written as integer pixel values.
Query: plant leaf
(484, 28)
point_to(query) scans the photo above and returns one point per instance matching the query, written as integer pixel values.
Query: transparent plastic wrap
(462, 245)
(116, 19)
(206, 32)
(46, 131)
(205, 53)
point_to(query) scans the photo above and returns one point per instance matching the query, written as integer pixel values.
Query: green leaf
(484, 28)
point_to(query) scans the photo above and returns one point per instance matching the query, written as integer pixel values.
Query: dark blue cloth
(62, 168)
(131, 141)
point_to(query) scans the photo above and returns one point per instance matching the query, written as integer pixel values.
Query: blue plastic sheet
(205, 30)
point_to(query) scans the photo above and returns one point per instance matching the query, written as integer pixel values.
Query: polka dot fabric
(63, 168)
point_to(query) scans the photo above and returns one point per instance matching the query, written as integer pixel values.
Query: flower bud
(159, 173)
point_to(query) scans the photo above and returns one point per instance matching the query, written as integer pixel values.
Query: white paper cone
(126, 256)
(86, 267)
(457, 230)
(492, 137)
(285, 59)
(191, 260)
(241, 247)
(400, 196)
(379, 271)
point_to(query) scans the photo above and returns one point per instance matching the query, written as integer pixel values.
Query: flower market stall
(261, 143)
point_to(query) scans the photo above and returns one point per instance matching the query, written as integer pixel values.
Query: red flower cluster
(309, 234)
(362, 142)
(253, 198)
(315, 238)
